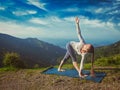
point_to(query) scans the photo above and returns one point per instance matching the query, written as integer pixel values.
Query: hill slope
(109, 50)
(32, 50)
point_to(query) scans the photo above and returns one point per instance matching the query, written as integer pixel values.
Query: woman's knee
(67, 45)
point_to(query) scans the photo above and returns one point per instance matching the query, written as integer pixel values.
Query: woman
(80, 48)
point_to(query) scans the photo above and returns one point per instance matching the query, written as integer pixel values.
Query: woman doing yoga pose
(79, 48)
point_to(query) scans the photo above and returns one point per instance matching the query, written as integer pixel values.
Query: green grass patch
(108, 61)
(87, 65)
(37, 69)
(8, 69)
(70, 66)
(66, 66)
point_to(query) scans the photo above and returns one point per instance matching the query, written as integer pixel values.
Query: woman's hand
(77, 20)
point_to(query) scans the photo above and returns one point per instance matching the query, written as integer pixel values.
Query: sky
(55, 19)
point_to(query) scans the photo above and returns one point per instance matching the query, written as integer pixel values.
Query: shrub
(36, 66)
(108, 61)
(13, 60)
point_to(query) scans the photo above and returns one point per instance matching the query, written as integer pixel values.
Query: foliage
(106, 51)
(36, 66)
(103, 61)
(108, 61)
(13, 60)
(8, 69)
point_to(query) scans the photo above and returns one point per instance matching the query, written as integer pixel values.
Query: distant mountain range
(62, 42)
(31, 50)
(34, 51)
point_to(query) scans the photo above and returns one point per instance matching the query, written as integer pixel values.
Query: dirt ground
(34, 80)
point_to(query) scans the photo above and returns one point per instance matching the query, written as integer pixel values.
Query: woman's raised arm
(78, 29)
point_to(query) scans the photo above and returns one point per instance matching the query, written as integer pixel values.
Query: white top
(77, 46)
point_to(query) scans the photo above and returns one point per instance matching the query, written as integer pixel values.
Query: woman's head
(87, 48)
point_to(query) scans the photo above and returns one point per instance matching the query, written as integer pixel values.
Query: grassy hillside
(109, 50)
(31, 50)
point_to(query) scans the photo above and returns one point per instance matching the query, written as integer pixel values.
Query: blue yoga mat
(73, 73)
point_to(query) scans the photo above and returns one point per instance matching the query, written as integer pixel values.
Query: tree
(13, 60)
(36, 66)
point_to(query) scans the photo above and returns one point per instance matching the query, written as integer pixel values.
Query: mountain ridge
(108, 50)
(35, 51)
(32, 50)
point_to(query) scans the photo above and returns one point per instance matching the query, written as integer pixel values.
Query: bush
(108, 61)
(13, 60)
(36, 66)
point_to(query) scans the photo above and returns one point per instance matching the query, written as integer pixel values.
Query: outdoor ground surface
(32, 79)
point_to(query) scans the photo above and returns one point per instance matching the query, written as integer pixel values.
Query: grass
(70, 66)
(3, 69)
(32, 79)
(65, 66)
(99, 63)
(111, 61)
(8, 69)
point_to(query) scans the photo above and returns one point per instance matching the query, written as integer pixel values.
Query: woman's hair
(88, 48)
(91, 49)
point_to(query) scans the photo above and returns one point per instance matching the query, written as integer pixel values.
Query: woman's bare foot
(61, 70)
(82, 75)
(92, 75)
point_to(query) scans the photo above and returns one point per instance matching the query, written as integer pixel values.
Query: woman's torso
(77, 46)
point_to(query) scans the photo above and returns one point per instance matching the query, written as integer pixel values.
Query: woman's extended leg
(63, 60)
(70, 53)
(73, 56)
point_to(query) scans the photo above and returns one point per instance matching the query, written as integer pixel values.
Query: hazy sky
(99, 19)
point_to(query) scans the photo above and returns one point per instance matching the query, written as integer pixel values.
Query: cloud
(99, 10)
(61, 28)
(38, 4)
(19, 30)
(97, 23)
(38, 21)
(24, 31)
(24, 12)
(32, 12)
(19, 13)
(114, 12)
(74, 9)
(2, 8)
(55, 18)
